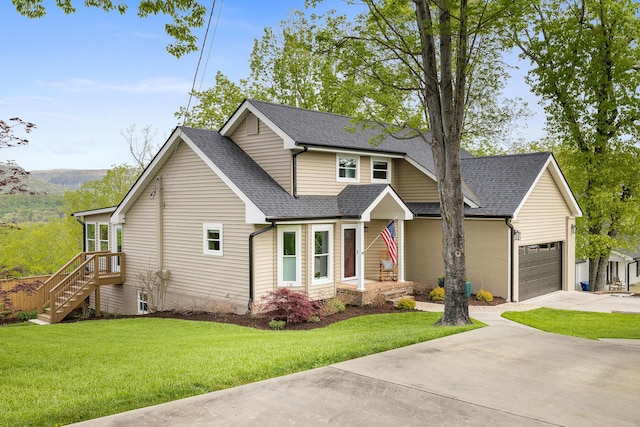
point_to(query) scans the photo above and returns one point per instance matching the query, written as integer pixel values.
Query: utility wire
(195, 75)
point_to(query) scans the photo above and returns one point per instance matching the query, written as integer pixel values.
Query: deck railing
(77, 276)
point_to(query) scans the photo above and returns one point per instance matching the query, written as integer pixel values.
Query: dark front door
(349, 247)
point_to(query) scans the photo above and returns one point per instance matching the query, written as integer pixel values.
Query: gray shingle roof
(267, 194)
(499, 182)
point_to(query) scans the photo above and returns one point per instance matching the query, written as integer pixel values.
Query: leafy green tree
(312, 62)
(585, 56)
(185, 15)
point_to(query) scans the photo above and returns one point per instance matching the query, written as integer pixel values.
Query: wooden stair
(72, 284)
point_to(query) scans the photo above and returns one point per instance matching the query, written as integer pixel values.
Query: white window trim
(205, 246)
(329, 278)
(142, 297)
(347, 156)
(91, 238)
(388, 162)
(342, 228)
(298, 231)
(99, 240)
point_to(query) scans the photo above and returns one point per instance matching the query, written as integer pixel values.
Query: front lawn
(579, 323)
(64, 373)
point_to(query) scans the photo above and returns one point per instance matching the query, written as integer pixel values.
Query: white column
(360, 255)
(401, 262)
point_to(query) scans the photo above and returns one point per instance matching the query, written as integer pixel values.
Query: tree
(585, 56)
(185, 15)
(141, 151)
(11, 175)
(312, 62)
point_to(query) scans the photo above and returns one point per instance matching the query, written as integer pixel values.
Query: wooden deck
(374, 290)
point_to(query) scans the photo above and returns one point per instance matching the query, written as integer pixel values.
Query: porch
(373, 291)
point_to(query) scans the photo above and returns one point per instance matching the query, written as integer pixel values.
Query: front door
(349, 252)
(117, 246)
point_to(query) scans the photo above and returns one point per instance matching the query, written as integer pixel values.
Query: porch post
(360, 255)
(401, 250)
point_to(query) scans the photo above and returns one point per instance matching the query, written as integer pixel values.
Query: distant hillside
(57, 181)
(69, 179)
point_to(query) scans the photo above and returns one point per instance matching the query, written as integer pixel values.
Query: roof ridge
(511, 155)
(299, 108)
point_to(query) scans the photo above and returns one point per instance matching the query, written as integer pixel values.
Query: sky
(85, 77)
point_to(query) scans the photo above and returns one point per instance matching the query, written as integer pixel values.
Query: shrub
(484, 296)
(333, 306)
(313, 319)
(26, 315)
(294, 307)
(437, 294)
(406, 304)
(441, 280)
(277, 324)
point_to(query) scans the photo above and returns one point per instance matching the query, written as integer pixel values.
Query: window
(103, 237)
(322, 249)
(212, 239)
(289, 267)
(91, 237)
(347, 168)
(380, 170)
(143, 304)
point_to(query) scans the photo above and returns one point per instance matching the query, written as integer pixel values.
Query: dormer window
(347, 167)
(380, 170)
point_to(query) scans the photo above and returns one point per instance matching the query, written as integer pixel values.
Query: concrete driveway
(502, 375)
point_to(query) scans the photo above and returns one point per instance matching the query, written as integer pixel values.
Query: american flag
(389, 237)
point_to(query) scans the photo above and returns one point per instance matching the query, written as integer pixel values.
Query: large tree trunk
(444, 100)
(597, 273)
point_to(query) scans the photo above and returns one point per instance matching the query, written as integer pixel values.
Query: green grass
(65, 373)
(579, 323)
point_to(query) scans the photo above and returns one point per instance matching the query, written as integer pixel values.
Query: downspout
(251, 236)
(84, 234)
(294, 165)
(511, 258)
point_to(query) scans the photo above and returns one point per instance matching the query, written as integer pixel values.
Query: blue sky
(84, 77)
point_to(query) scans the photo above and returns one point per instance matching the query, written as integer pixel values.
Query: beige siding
(487, 253)
(265, 264)
(191, 196)
(317, 174)
(413, 185)
(267, 149)
(111, 299)
(543, 218)
(372, 255)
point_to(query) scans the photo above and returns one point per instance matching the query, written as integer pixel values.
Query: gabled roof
(503, 183)
(265, 199)
(299, 127)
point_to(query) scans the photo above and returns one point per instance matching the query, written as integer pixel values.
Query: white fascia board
(94, 212)
(407, 214)
(149, 173)
(560, 181)
(622, 256)
(253, 215)
(431, 175)
(235, 120)
(337, 150)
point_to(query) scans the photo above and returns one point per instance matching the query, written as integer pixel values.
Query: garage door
(540, 269)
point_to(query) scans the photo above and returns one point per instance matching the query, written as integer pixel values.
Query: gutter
(511, 260)
(294, 165)
(84, 233)
(251, 285)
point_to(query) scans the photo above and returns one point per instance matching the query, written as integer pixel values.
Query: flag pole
(377, 237)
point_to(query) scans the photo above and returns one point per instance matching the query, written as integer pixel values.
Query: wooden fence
(22, 301)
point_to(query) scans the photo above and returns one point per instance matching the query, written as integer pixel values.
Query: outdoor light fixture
(573, 229)
(517, 235)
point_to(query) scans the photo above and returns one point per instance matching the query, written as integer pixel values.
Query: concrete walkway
(503, 375)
